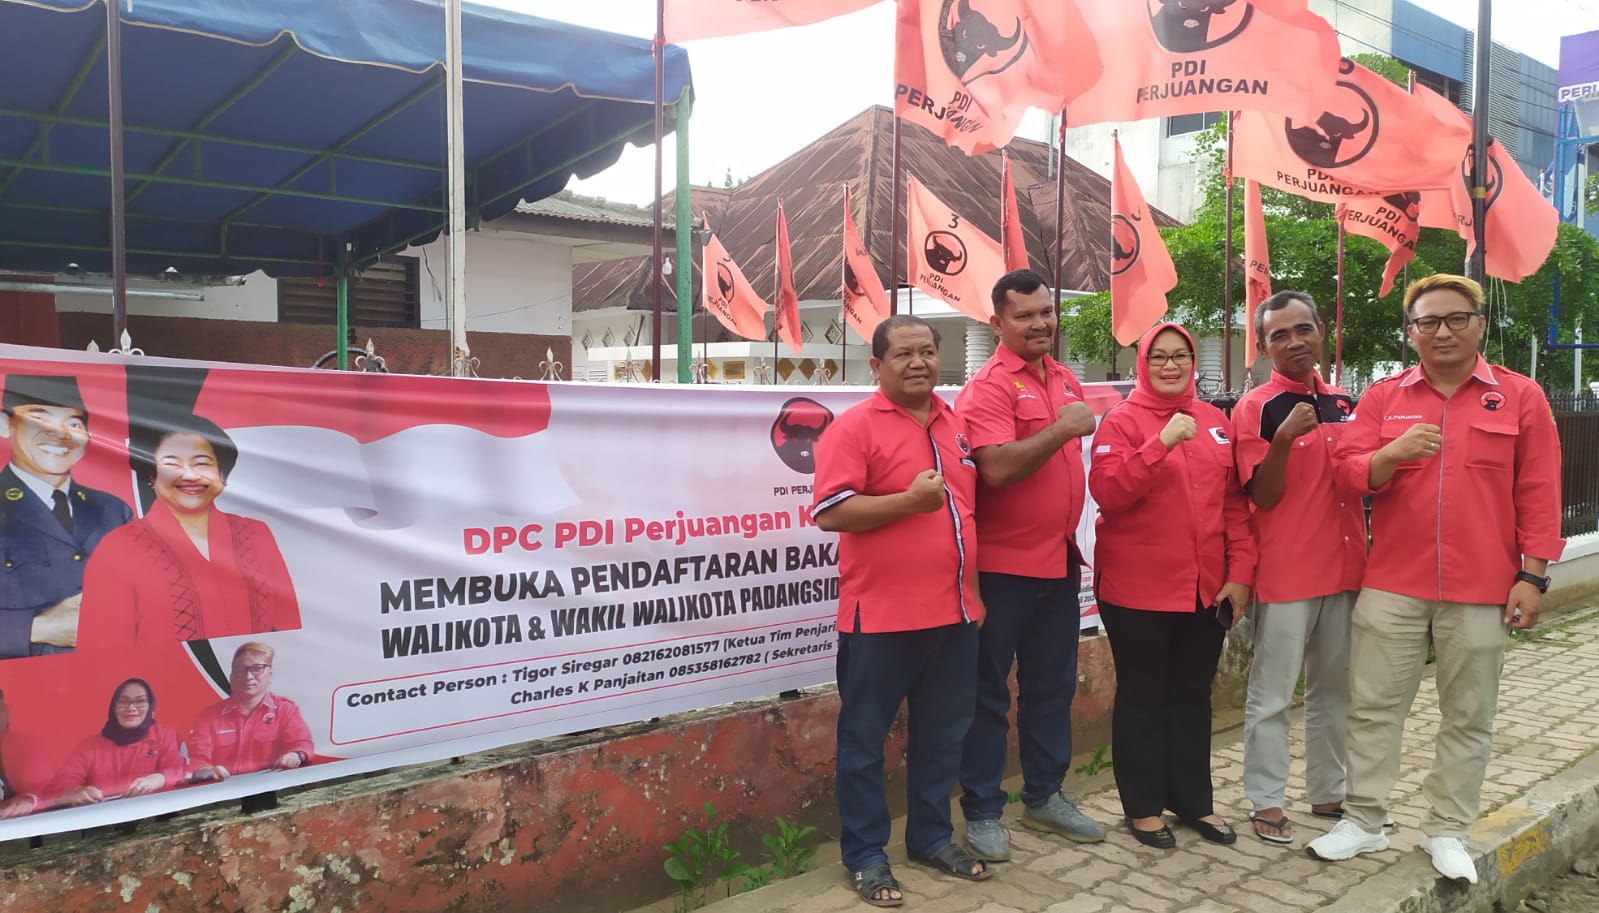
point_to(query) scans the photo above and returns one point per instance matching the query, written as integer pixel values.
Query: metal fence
(1577, 417)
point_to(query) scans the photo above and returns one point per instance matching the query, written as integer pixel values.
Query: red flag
(1394, 220)
(1189, 57)
(865, 302)
(788, 318)
(1372, 138)
(1257, 266)
(967, 69)
(1010, 223)
(948, 257)
(1520, 227)
(687, 20)
(727, 295)
(1141, 271)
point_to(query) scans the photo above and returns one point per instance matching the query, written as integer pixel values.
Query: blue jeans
(934, 671)
(1036, 622)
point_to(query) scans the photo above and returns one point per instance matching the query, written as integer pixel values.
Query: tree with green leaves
(1302, 235)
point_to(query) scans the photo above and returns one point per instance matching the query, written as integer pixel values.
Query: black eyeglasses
(1159, 359)
(1459, 320)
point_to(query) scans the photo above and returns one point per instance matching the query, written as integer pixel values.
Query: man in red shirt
(252, 729)
(1480, 439)
(25, 768)
(1311, 539)
(895, 478)
(1027, 419)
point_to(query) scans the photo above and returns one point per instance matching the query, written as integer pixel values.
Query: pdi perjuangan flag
(1141, 271)
(727, 295)
(865, 301)
(1394, 220)
(1257, 266)
(948, 257)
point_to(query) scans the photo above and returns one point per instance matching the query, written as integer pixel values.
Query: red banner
(968, 69)
(1141, 271)
(1521, 226)
(1393, 220)
(1257, 266)
(865, 302)
(687, 20)
(1010, 223)
(1190, 57)
(1372, 138)
(788, 319)
(728, 296)
(949, 258)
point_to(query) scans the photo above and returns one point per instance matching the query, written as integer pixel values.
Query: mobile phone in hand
(1224, 613)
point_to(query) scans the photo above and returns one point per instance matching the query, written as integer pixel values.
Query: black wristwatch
(1542, 583)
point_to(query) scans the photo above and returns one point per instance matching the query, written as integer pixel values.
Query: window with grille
(385, 294)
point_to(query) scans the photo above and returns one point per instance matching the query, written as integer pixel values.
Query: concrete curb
(1518, 846)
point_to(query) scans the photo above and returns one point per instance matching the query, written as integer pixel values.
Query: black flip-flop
(1280, 824)
(952, 860)
(1333, 814)
(877, 877)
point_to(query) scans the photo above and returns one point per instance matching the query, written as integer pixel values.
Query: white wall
(256, 299)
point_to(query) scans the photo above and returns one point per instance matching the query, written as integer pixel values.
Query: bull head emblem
(1408, 203)
(1124, 244)
(1495, 181)
(799, 423)
(852, 284)
(973, 44)
(1335, 140)
(1184, 26)
(945, 252)
(724, 281)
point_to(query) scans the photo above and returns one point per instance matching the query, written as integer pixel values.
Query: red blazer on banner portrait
(948, 258)
(865, 301)
(968, 69)
(1141, 271)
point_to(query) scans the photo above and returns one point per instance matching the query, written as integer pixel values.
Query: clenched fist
(1180, 428)
(926, 492)
(1301, 421)
(1419, 441)
(1077, 418)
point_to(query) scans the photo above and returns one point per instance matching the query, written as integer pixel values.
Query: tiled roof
(568, 205)
(859, 153)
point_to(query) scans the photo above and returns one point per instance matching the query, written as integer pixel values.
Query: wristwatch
(1542, 583)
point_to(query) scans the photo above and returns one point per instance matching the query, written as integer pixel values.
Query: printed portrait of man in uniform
(49, 524)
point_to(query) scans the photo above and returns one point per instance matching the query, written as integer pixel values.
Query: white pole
(1534, 347)
(455, 227)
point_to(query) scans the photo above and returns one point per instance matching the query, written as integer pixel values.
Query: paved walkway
(1548, 722)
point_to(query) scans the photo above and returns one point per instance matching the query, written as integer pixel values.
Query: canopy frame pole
(684, 220)
(342, 321)
(455, 286)
(118, 226)
(1476, 261)
(659, 53)
(42, 139)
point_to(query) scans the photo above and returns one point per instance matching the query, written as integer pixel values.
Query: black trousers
(1160, 730)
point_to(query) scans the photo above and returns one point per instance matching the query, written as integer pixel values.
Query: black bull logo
(851, 283)
(945, 253)
(1319, 144)
(724, 281)
(1183, 26)
(799, 423)
(972, 43)
(1124, 243)
(1407, 203)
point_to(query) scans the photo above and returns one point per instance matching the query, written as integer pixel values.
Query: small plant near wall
(704, 862)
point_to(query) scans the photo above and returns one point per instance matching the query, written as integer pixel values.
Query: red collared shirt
(918, 571)
(25, 765)
(1313, 542)
(1454, 527)
(99, 762)
(223, 735)
(1025, 528)
(1173, 523)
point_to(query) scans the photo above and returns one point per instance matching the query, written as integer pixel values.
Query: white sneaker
(1346, 841)
(1450, 858)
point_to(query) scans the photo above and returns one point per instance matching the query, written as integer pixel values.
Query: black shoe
(1223, 833)
(1161, 839)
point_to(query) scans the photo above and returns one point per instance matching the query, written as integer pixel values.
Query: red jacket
(25, 765)
(102, 763)
(1173, 523)
(222, 735)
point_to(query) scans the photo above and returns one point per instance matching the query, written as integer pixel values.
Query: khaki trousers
(1388, 654)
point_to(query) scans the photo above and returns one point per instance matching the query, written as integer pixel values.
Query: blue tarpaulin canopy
(263, 135)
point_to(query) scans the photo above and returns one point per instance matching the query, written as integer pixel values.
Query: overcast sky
(761, 97)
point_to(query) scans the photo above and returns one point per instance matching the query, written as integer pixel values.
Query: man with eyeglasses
(1311, 537)
(252, 729)
(1480, 439)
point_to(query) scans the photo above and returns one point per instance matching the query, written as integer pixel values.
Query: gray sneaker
(1058, 815)
(988, 840)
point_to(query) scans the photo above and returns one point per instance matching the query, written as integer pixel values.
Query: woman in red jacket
(1174, 560)
(131, 756)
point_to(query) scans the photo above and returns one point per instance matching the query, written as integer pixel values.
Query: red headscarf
(1144, 394)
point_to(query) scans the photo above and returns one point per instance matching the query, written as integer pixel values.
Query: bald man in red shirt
(1480, 439)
